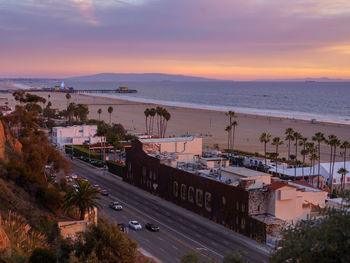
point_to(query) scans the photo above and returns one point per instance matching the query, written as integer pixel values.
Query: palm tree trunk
(303, 166)
(233, 137)
(330, 169)
(319, 164)
(265, 154)
(288, 151)
(334, 154)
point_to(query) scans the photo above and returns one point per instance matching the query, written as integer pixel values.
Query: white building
(75, 135)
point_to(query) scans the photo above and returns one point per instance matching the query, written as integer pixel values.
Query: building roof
(278, 185)
(175, 139)
(306, 185)
(244, 172)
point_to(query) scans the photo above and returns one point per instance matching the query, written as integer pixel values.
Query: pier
(78, 91)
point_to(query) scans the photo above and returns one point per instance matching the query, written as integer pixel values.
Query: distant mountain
(324, 79)
(126, 77)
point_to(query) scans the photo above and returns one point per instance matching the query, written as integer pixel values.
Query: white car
(116, 206)
(74, 176)
(135, 225)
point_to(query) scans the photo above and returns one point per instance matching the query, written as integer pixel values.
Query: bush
(116, 168)
(81, 150)
(42, 255)
(50, 198)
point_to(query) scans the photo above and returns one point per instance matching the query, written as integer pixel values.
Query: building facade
(77, 134)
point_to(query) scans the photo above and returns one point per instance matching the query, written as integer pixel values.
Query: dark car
(104, 192)
(152, 227)
(123, 227)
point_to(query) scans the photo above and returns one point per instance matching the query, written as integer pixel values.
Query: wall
(228, 205)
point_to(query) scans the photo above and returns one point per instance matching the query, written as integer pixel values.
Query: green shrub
(42, 255)
(82, 150)
(116, 168)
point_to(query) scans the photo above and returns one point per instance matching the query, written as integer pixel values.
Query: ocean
(323, 101)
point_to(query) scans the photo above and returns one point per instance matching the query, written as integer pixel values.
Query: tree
(289, 137)
(152, 113)
(233, 123)
(42, 255)
(333, 142)
(319, 137)
(265, 138)
(190, 257)
(276, 141)
(70, 111)
(344, 146)
(105, 242)
(81, 111)
(321, 240)
(99, 111)
(343, 173)
(147, 114)
(235, 257)
(303, 152)
(297, 136)
(68, 97)
(228, 130)
(84, 198)
(110, 110)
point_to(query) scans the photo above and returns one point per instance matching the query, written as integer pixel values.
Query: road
(180, 230)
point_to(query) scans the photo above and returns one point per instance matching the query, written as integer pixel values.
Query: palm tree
(344, 146)
(265, 138)
(319, 137)
(159, 112)
(276, 142)
(343, 173)
(166, 116)
(297, 136)
(303, 152)
(99, 111)
(228, 130)
(147, 114)
(289, 137)
(70, 111)
(293, 161)
(68, 96)
(110, 110)
(333, 142)
(234, 124)
(83, 199)
(152, 113)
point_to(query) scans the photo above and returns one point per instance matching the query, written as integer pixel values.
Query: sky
(224, 39)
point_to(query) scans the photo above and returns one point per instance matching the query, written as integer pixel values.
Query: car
(74, 176)
(152, 227)
(104, 192)
(97, 186)
(116, 206)
(123, 227)
(135, 225)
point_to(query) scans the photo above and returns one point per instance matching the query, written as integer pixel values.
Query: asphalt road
(180, 229)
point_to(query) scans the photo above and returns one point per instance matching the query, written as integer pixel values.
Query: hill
(131, 77)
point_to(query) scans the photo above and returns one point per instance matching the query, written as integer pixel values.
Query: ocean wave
(253, 111)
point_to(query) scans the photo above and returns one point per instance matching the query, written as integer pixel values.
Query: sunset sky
(227, 39)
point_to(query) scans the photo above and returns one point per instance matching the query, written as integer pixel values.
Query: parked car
(74, 176)
(135, 225)
(123, 227)
(116, 206)
(152, 227)
(104, 192)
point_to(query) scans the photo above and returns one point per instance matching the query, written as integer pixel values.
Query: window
(243, 208)
(237, 205)
(144, 174)
(176, 189)
(223, 200)
(199, 197)
(243, 223)
(208, 201)
(183, 192)
(129, 166)
(191, 194)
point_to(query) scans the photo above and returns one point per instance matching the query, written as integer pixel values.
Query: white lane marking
(160, 238)
(172, 229)
(175, 247)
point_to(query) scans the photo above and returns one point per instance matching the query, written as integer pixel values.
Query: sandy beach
(206, 123)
